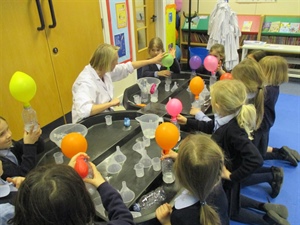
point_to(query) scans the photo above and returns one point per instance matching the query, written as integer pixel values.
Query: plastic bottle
(178, 127)
(167, 170)
(212, 79)
(29, 118)
(205, 93)
(153, 198)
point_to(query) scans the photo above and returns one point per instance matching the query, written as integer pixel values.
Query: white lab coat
(88, 89)
(223, 29)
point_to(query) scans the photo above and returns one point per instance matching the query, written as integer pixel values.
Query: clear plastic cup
(58, 157)
(137, 99)
(108, 120)
(146, 141)
(167, 87)
(139, 169)
(154, 96)
(156, 163)
(113, 168)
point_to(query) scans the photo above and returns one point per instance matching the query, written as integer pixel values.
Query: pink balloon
(174, 107)
(211, 63)
(195, 62)
(178, 5)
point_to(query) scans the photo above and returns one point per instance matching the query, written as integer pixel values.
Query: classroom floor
(286, 131)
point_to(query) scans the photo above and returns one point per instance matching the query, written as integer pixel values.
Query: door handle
(153, 18)
(39, 8)
(52, 14)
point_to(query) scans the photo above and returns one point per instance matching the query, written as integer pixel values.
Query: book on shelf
(284, 27)
(247, 26)
(275, 26)
(266, 26)
(295, 28)
(194, 23)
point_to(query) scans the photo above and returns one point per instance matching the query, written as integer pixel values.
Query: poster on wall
(170, 18)
(119, 28)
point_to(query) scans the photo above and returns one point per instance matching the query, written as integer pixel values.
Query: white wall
(280, 7)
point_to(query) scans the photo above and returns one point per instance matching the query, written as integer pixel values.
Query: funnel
(127, 194)
(58, 133)
(147, 85)
(149, 123)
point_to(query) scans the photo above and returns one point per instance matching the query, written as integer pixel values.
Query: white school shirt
(88, 89)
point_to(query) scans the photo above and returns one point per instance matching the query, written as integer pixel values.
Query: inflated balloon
(196, 86)
(73, 143)
(211, 63)
(195, 62)
(22, 87)
(167, 61)
(174, 107)
(166, 136)
(226, 76)
(178, 52)
(178, 5)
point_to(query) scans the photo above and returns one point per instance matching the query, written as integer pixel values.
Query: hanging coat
(223, 29)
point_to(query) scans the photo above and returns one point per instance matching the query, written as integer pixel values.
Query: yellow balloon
(22, 87)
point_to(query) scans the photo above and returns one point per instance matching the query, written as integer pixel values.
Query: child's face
(154, 51)
(5, 135)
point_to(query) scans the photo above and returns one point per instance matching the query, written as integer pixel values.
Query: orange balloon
(226, 76)
(196, 86)
(166, 136)
(73, 143)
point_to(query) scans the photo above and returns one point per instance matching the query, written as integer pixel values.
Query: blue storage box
(199, 51)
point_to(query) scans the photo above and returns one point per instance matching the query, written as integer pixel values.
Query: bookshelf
(198, 34)
(277, 30)
(250, 27)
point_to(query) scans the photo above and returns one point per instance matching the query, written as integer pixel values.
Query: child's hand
(73, 159)
(225, 173)
(32, 136)
(181, 119)
(163, 214)
(173, 52)
(194, 111)
(164, 73)
(172, 154)
(98, 179)
(17, 181)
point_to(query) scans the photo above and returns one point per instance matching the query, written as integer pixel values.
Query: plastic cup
(137, 99)
(139, 169)
(108, 120)
(167, 87)
(154, 96)
(156, 163)
(146, 141)
(58, 157)
(114, 168)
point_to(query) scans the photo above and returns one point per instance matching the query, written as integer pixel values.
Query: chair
(127, 97)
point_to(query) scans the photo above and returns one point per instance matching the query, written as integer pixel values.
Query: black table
(102, 141)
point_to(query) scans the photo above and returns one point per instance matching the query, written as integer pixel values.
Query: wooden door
(72, 42)
(24, 48)
(144, 26)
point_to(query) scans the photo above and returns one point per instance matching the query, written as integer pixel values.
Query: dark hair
(53, 194)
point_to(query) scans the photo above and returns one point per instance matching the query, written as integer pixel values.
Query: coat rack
(189, 17)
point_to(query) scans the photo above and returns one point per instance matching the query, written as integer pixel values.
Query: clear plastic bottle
(205, 93)
(153, 198)
(29, 118)
(212, 79)
(178, 127)
(167, 170)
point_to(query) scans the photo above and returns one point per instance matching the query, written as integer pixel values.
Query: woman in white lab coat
(93, 89)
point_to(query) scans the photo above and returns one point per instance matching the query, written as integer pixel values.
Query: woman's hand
(115, 102)
(97, 180)
(157, 59)
(32, 136)
(163, 214)
(181, 119)
(17, 181)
